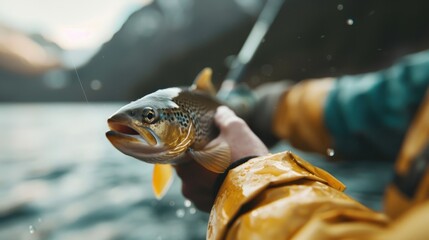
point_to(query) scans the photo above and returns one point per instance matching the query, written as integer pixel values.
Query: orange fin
(215, 158)
(161, 179)
(203, 82)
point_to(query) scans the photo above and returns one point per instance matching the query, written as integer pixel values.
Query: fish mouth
(138, 142)
(121, 128)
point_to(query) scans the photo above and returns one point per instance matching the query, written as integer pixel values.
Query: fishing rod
(250, 47)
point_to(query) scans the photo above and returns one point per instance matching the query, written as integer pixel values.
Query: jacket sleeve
(372, 112)
(282, 197)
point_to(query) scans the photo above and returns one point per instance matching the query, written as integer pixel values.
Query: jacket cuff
(221, 177)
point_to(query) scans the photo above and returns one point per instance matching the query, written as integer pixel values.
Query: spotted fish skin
(199, 108)
(171, 126)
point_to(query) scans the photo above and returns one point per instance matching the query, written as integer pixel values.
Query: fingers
(223, 114)
(197, 184)
(237, 134)
(226, 118)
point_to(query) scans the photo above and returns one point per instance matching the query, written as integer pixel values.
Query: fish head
(153, 129)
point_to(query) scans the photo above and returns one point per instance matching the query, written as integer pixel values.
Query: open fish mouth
(121, 128)
(136, 142)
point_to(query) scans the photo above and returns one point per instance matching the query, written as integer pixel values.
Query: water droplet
(330, 152)
(329, 57)
(180, 213)
(96, 85)
(31, 229)
(322, 36)
(39, 220)
(187, 203)
(340, 7)
(254, 214)
(171, 203)
(350, 21)
(192, 211)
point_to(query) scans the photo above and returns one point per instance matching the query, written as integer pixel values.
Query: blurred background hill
(160, 32)
(166, 43)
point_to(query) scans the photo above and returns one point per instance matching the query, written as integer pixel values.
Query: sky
(72, 24)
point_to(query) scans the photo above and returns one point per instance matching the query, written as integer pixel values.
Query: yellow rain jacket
(281, 196)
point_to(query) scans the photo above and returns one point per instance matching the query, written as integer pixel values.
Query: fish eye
(149, 115)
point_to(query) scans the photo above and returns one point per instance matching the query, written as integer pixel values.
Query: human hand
(257, 106)
(198, 182)
(237, 134)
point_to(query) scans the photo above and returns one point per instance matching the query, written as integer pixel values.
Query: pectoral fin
(215, 158)
(161, 179)
(203, 82)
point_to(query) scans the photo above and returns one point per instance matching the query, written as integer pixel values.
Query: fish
(169, 127)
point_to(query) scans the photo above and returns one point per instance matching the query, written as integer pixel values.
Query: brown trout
(171, 126)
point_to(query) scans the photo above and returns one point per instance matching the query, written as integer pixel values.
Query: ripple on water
(78, 186)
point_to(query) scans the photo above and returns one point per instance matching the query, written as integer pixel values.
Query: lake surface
(61, 179)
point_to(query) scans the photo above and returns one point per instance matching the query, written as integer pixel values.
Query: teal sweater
(368, 115)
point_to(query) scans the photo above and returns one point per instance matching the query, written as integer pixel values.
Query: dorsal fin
(203, 82)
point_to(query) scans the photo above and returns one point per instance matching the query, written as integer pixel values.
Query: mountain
(125, 67)
(168, 42)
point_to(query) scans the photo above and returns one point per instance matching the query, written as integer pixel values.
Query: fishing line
(80, 82)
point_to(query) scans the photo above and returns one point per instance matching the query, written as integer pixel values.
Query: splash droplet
(171, 203)
(96, 85)
(350, 21)
(330, 152)
(340, 7)
(31, 229)
(187, 203)
(180, 213)
(192, 211)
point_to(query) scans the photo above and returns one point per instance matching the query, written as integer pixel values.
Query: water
(31, 229)
(330, 152)
(61, 179)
